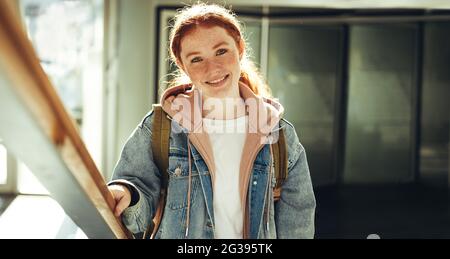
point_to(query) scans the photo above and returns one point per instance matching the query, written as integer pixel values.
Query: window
(303, 73)
(435, 124)
(381, 86)
(68, 39)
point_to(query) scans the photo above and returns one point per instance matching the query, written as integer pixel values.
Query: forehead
(203, 37)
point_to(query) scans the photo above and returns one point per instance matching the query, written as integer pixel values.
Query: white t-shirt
(227, 139)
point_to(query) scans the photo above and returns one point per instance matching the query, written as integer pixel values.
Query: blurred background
(365, 83)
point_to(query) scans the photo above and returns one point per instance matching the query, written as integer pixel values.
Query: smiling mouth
(218, 81)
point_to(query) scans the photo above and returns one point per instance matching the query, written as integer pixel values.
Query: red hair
(213, 15)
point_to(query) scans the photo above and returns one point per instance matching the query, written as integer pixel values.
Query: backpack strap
(160, 148)
(160, 142)
(280, 163)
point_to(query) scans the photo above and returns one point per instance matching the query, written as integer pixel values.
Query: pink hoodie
(184, 104)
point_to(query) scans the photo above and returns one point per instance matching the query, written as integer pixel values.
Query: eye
(196, 59)
(221, 52)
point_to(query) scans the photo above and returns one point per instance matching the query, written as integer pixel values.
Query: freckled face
(210, 57)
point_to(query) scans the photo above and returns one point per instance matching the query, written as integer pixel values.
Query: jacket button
(255, 183)
(178, 171)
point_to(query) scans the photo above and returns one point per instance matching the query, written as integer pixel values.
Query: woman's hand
(122, 197)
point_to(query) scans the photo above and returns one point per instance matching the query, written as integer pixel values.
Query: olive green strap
(280, 162)
(160, 142)
(160, 148)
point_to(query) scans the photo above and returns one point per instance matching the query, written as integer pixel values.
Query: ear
(241, 47)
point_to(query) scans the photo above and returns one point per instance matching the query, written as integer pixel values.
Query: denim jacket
(290, 217)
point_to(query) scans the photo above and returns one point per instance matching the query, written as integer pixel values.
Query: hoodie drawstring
(267, 216)
(189, 191)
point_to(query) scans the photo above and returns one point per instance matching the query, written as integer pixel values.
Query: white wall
(131, 98)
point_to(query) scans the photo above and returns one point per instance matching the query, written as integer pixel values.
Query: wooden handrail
(36, 127)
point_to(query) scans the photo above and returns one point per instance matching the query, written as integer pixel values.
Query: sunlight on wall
(27, 183)
(3, 165)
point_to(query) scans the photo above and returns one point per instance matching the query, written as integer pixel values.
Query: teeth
(217, 81)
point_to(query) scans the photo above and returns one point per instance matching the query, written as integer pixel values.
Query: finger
(117, 195)
(122, 204)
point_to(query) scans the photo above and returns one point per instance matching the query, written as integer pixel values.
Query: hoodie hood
(184, 104)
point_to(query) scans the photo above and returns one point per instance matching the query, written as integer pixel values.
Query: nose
(212, 67)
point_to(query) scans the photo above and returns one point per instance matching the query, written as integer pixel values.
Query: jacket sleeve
(295, 211)
(137, 170)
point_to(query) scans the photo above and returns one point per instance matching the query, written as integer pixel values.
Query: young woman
(221, 173)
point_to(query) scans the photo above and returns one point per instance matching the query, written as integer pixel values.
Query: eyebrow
(215, 47)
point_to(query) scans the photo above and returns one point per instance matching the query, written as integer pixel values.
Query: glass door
(379, 135)
(304, 73)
